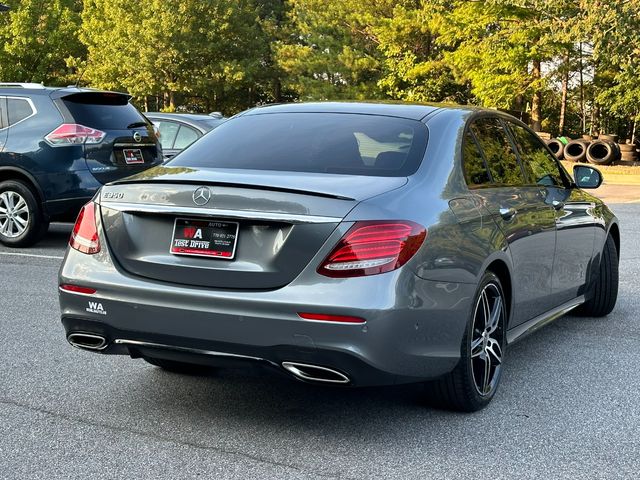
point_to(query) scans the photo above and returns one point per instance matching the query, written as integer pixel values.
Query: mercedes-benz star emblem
(201, 196)
(137, 137)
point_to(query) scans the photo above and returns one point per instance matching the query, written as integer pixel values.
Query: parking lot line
(54, 257)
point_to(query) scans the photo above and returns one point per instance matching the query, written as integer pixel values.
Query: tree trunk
(565, 88)
(277, 91)
(536, 103)
(583, 113)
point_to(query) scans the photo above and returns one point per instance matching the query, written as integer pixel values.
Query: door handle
(557, 205)
(507, 213)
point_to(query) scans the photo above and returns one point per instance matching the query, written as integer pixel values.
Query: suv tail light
(74, 134)
(84, 237)
(373, 247)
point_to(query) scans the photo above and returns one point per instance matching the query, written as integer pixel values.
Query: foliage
(229, 55)
(37, 37)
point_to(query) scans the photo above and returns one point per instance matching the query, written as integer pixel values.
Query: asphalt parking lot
(568, 406)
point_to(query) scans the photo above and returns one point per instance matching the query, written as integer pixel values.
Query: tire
(603, 293)
(601, 153)
(25, 223)
(629, 156)
(179, 367)
(557, 147)
(608, 138)
(576, 150)
(466, 389)
(626, 147)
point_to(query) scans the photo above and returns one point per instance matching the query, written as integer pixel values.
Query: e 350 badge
(96, 307)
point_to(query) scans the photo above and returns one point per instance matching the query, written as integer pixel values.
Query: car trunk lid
(282, 221)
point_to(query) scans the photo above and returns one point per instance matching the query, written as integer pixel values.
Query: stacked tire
(602, 152)
(557, 147)
(628, 154)
(576, 150)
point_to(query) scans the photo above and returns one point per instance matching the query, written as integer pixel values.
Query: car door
(573, 210)
(526, 220)
(3, 123)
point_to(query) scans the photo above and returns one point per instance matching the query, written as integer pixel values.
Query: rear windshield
(103, 111)
(347, 144)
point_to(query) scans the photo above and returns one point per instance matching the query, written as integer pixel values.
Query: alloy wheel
(487, 339)
(14, 214)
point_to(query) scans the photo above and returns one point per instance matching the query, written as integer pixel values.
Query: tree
(210, 54)
(501, 47)
(614, 28)
(37, 38)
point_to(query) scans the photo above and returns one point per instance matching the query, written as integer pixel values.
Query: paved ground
(568, 406)
(612, 193)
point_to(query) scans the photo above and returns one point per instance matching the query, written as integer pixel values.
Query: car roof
(185, 116)
(402, 110)
(29, 89)
(199, 120)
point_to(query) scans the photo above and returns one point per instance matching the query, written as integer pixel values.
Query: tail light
(84, 236)
(74, 134)
(373, 247)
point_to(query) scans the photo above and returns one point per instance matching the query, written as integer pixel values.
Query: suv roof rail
(21, 85)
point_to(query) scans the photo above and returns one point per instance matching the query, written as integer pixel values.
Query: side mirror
(587, 177)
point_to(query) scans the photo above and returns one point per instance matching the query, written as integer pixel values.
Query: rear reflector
(373, 247)
(78, 289)
(84, 236)
(331, 318)
(74, 134)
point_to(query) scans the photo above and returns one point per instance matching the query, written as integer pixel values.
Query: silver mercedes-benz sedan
(344, 244)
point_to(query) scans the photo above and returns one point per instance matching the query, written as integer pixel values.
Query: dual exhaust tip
(303, 371)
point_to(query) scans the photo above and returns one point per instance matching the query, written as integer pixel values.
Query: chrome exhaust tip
(314, 373)
(87, 341)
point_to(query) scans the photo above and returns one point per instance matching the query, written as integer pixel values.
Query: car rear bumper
(406, 338)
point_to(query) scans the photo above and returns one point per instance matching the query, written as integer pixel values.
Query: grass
(613, 174)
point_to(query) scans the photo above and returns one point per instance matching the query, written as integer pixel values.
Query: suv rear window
(103, 110)
(349, 144)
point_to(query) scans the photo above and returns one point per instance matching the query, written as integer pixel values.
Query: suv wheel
(474, 381)
(21, 220)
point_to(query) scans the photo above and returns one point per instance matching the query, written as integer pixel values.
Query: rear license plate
(133, 156)
(204, 238)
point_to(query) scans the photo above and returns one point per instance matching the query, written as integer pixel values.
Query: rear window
(103, 111)
(347, 144)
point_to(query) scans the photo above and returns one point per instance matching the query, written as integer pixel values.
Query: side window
(168, 132)
(475, 170)
(3, 111)
(540, 166)
(498, 152)
(18, 109)
(186, 136)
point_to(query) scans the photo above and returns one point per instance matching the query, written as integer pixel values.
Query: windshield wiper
(137, 124)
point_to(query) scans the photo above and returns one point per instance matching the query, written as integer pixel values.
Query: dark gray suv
(344, 244)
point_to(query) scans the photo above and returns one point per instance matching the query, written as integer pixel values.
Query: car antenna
(80, 77)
